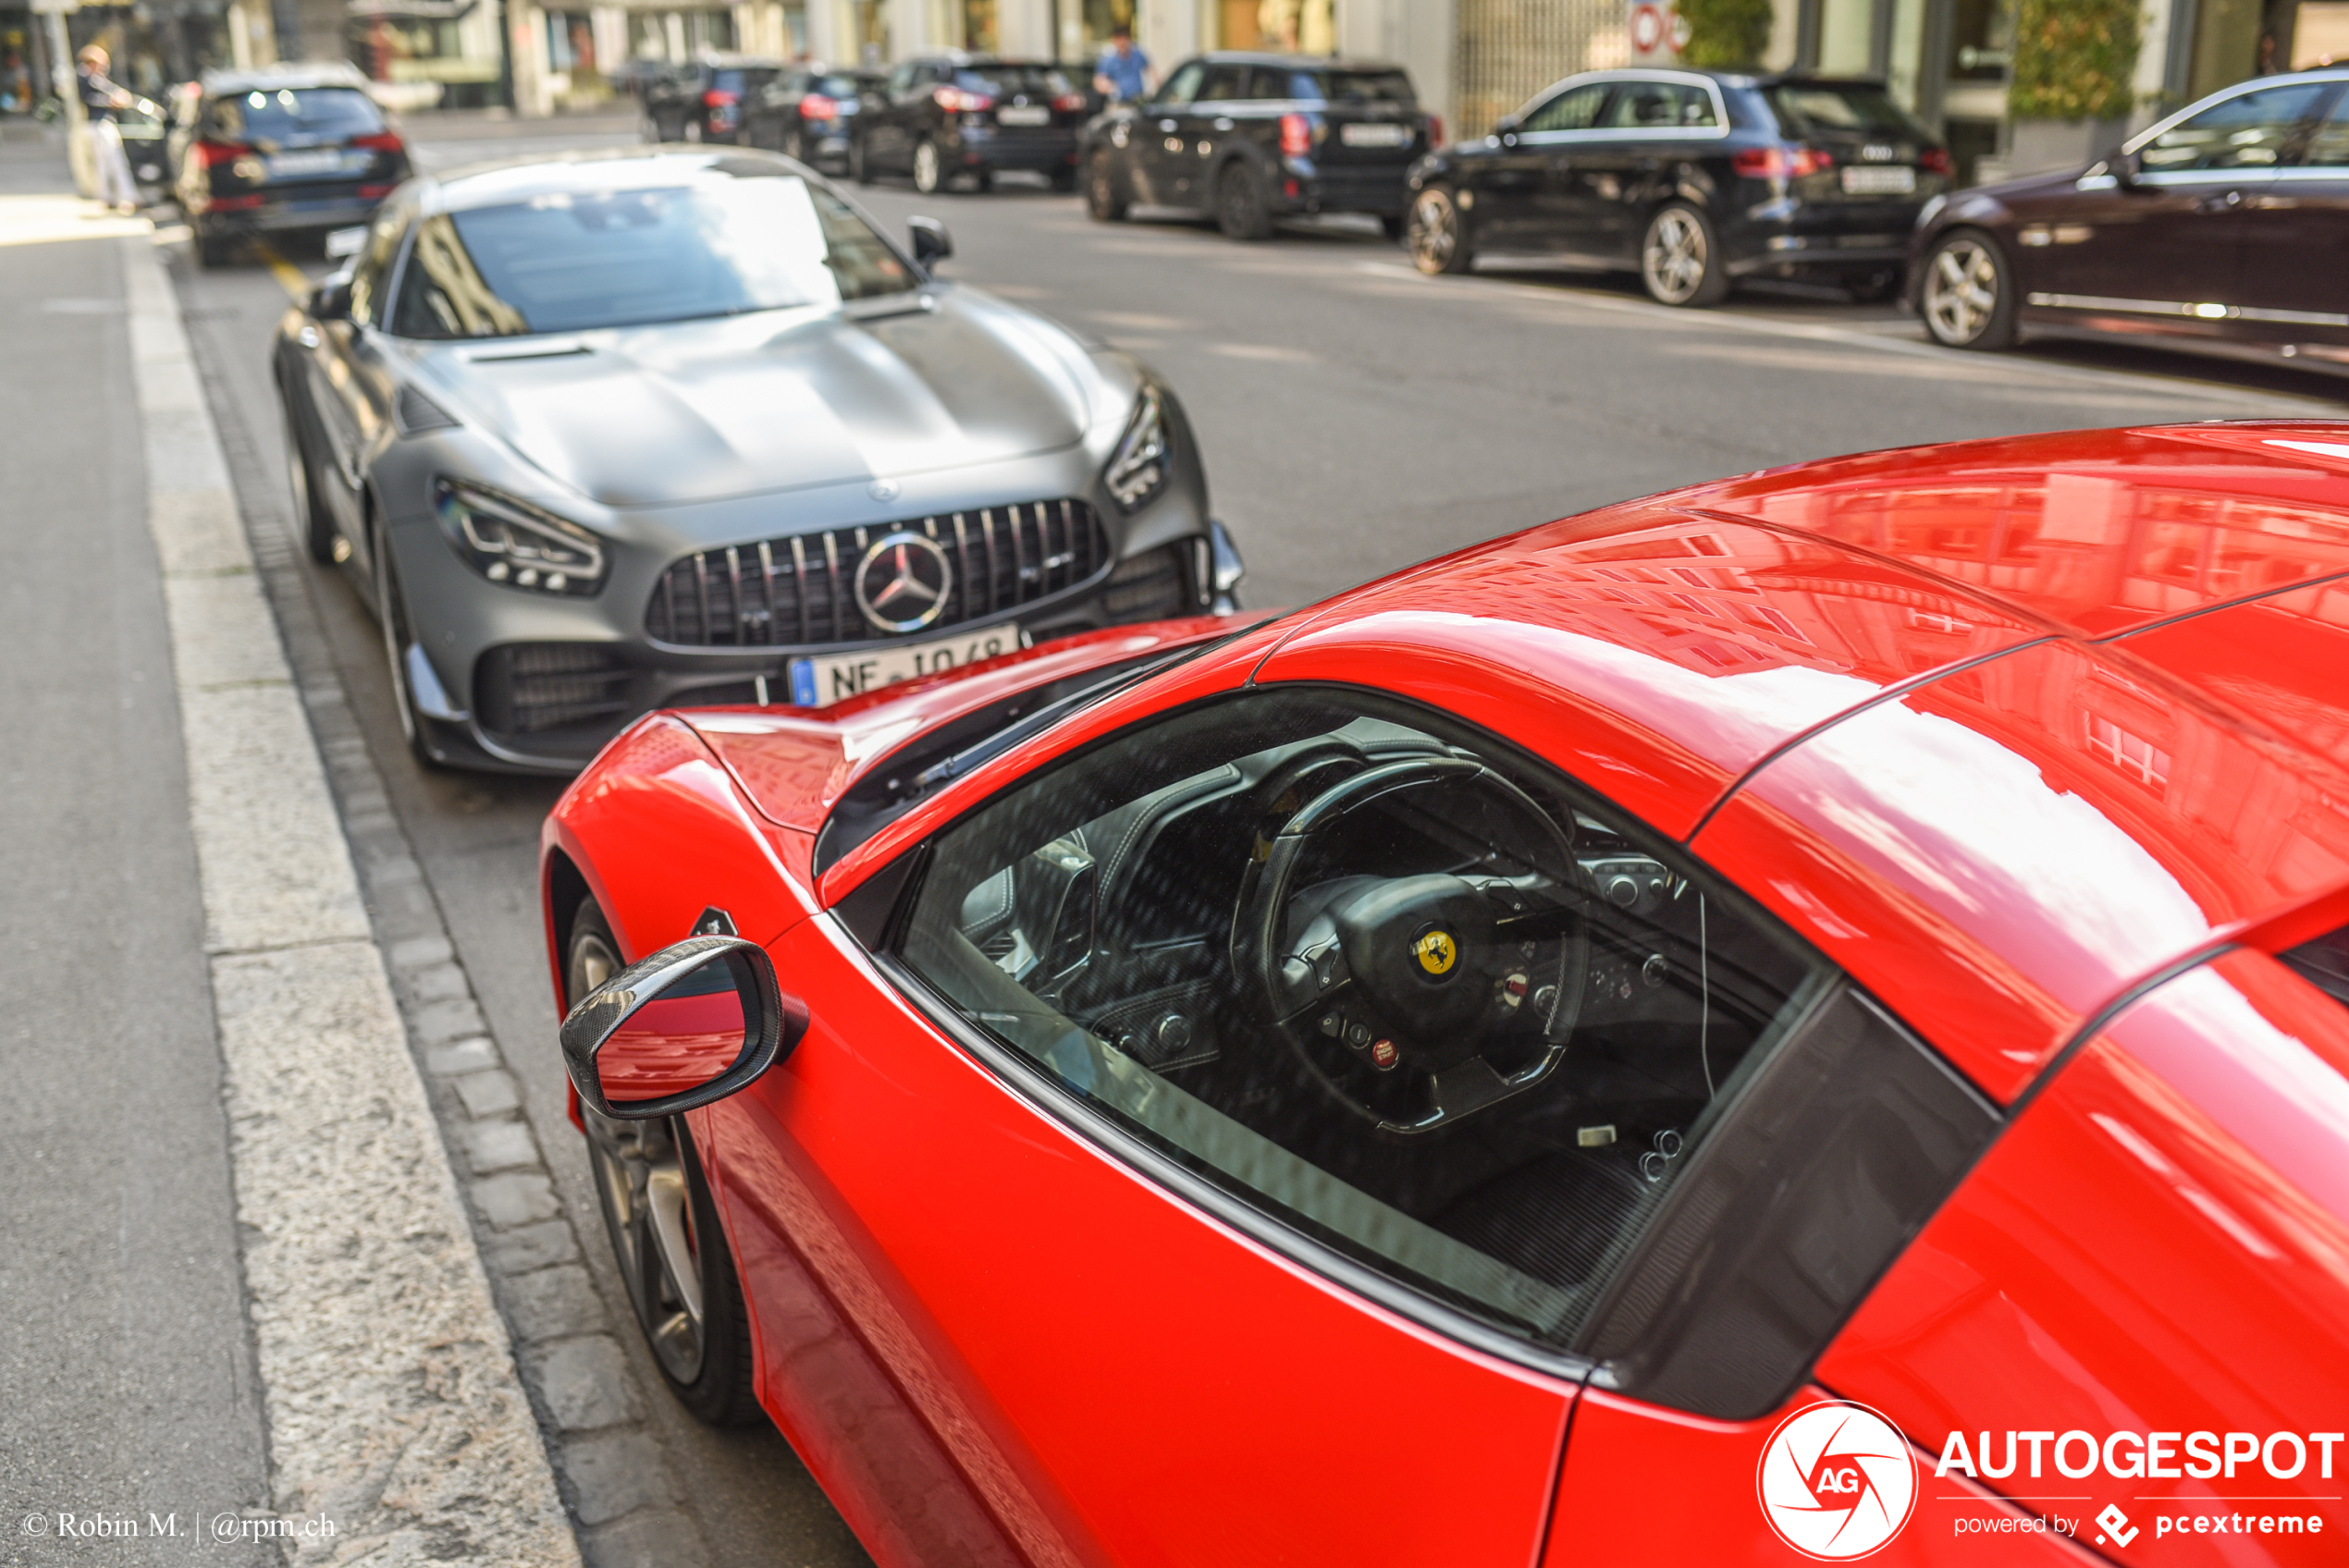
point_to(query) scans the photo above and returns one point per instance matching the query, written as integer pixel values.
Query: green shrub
(1725, 34)
(2073, 59)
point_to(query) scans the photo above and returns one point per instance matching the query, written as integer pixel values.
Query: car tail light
(1069, 103)
(376, 192)
(1436, 130)
(213, 153)
(232, 203)
(719, 98)
(955, 100)
(1296, 136)
(381, 141)
(1935, 160)
(1780, 163)
(816, 107)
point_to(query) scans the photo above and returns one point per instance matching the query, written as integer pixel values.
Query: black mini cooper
(1248, 139)
(1692, 179)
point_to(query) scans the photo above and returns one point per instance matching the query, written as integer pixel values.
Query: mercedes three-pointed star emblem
(904, 582)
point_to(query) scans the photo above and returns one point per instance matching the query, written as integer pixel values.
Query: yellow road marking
(290, 277)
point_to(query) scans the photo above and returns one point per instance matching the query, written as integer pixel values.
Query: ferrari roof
(2062, 708)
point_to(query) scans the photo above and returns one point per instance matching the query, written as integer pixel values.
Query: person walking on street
(1123, 73)
(100, 99)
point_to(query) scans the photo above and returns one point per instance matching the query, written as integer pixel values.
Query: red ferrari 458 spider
(1796, 1019)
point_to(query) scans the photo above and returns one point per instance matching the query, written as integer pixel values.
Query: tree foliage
(1725, 34)
(2073, 59)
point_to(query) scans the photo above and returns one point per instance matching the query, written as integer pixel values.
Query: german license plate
(820, 681)
(1878, 179)
(1375, 134)
(325, 160)
(1022, 114)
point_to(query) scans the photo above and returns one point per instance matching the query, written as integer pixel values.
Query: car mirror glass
(932, 244)
(677, 1041)
(685, 1027)
(330, 300)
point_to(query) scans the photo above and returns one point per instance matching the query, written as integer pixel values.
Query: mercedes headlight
(513, 543)
(1137, 469)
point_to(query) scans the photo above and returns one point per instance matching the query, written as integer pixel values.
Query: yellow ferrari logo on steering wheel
(1436, 952)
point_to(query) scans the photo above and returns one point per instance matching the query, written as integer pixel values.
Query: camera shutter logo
(1837, 1481)
(903, 582)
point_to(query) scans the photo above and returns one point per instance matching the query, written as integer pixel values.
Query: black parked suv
(1248, 139)
(808, 113)
(964, 118)
(703, 102)
(281, 149)
(1692, 179)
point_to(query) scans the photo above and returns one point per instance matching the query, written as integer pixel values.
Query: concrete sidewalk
(127, 1370)
(247, 1316)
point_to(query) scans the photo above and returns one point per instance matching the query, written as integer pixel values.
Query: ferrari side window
(1378, 977)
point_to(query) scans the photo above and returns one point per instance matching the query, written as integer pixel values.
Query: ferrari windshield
(749, 239)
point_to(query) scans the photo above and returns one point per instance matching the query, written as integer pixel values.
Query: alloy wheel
(1434, 233)
(318, 535)
(926, 168)
(1673, 262)
(1960, 291)
(641, 1183)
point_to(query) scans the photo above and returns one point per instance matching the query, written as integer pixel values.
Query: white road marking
(393, 1404)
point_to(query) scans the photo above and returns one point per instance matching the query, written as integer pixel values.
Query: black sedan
(2224, 227)
(279, 149)
(1692, 179)
(809, 113)
(1249, 139)
(678, 426)
(960, 119)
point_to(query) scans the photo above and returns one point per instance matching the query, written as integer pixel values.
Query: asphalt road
(1355, 416)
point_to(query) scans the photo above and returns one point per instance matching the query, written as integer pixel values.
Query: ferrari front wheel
(665, 1235)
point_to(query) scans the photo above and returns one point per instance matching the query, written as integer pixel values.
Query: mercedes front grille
(800, 591)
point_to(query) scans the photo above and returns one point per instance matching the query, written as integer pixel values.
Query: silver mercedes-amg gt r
(657, 428)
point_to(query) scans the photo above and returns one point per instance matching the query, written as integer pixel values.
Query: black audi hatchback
(1248, 139)
(1692, 179)
(279, 149)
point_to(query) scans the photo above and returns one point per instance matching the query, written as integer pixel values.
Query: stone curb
(393, 1406)
(615, 1484)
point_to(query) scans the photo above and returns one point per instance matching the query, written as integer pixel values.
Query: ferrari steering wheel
(1420, 975)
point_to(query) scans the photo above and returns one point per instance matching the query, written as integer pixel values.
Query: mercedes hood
(705, 410)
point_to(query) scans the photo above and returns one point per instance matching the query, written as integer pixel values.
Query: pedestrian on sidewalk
(100, 99)
(1123, 73)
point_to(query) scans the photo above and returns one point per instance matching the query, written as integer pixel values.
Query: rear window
(1818, 108)
(288, 112)
(1352, 87)
(836, 86)
(1005, 81)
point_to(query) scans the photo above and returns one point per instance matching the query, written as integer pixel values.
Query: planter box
(2047, 146)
